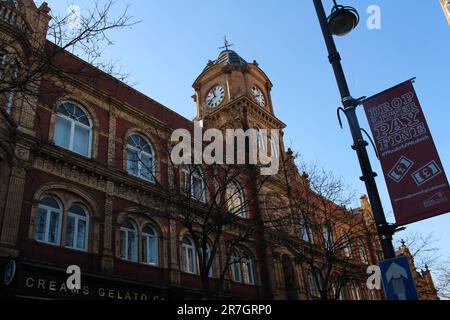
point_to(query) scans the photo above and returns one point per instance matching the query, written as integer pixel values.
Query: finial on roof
(227, 45)
(403, 242)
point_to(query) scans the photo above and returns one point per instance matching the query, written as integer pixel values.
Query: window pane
(132, 246)
(62, 132)
(9, 103)
(41, 222)
(78, 211)
(80, 116)
(152, 250)
(81, 234)
(54, 228)
(198, 188)
(127, 224)
(70, 232)
(145, 258)
(81, 140)
(184, 258)
(146, 167)
(49, 202)
(236, 267)
(251, 275)
(132, 162)
(148, 230)
(123, 244)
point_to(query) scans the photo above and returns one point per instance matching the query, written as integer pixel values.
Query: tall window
(77, 228)
(243, 268)
(189, 255)
(274, 148)
(235, 200)
(335, 287)
(194, 183)
(327, 237)
(2, 64)
(48, 224)
(73, 130)
(248, 270)
(2, 58)
(236, 266)
(208, 256)
(140, 158)
(128, 241)
(347, 246)
(305, 231)
(10, 96)
(356, 292)
(149, 246)
(312, 284)
(362, 252)
(8, 75)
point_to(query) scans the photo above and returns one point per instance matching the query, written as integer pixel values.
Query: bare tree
(37, 49)
(427, 258)
(316, 226)
(217, 204)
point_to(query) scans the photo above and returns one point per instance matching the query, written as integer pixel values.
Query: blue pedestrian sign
(398, 281)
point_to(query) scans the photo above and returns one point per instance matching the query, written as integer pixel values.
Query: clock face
(215, 96)
(259, 96)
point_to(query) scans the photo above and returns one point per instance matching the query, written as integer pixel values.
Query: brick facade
(33, 166)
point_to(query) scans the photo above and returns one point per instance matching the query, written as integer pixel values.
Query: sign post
(398, 281)
(414, 174)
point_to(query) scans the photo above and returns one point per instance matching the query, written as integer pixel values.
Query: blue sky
(171, 46)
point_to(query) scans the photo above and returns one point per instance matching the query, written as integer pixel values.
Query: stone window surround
(140, 221)
(67, 196)
(92, 115)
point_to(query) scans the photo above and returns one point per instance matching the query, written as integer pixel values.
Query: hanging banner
(414, 174)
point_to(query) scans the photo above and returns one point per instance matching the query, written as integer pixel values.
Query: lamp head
(342, 20)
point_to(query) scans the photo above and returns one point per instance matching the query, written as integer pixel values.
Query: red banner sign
(414, 174)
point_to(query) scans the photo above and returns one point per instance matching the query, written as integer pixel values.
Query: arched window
(77, 228)
(274, 148)
(140, 158)
(128, 241)
(235, 200)
(362, 252)
(150, 246)
(73, 129)
(248, 269)
(48, 222)
(236, 266)
(189, 255)
(194, 183)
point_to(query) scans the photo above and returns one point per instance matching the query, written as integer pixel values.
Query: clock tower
(232, 93)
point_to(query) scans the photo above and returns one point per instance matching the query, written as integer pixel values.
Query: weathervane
(227, 44)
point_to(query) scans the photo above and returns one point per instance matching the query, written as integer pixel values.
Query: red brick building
(69, 194)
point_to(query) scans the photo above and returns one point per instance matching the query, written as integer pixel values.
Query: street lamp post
(342, 21)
